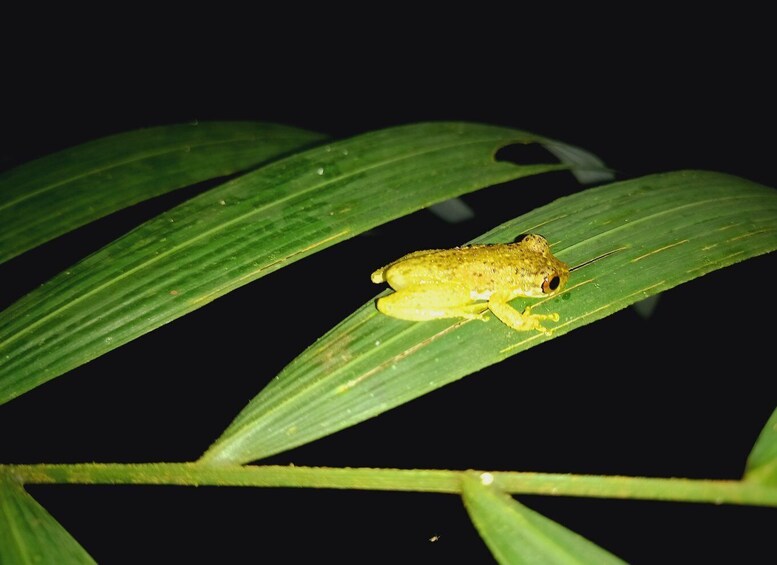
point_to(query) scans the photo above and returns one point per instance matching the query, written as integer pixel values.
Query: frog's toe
(473, 311)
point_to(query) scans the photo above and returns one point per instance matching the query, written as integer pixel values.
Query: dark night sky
(680, 394)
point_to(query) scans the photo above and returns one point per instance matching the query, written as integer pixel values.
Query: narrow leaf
(239, 232)
(29, 534)
(762, 462)
(654, 233)
(48, 197)
(516, 534)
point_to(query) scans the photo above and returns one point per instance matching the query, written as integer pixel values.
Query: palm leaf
(47, 197)
(762, 462)
(29, 534)
(516, 534)
(650, 234)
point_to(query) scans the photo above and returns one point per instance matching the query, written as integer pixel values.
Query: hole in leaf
(525, 154)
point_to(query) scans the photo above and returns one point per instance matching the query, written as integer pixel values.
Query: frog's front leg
(520, 321)
(430, 302)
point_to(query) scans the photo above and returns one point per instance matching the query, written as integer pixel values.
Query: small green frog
(464, 282)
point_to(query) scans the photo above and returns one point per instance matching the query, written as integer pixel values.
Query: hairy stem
(419, 480)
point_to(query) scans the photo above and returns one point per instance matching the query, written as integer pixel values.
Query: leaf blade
(762, 461)
(658, 232)
(29, 534)
(516, 534)
(50, 196)
(239, 232)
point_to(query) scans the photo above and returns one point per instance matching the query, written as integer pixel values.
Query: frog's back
(438, 265)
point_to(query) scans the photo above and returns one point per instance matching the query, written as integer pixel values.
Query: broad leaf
(516, 534)
(29, 534)
(45, 198)
(239, 232)
(762, 462)
(654, 233)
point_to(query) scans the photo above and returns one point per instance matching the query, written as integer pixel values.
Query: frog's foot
(521, 321)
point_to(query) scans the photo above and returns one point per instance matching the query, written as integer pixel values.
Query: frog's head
(550, 274)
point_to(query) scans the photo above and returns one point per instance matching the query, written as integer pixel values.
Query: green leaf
(29, 534)
(655, 232)
(516, 534)
(762, 462)
(239, 232)
(48, 197)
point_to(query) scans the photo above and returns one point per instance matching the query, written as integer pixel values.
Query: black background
(684, 393)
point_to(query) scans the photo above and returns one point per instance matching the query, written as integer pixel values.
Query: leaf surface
(762, 462)
(649, 234)
(50, 196)
(29, 534)
(516, 534)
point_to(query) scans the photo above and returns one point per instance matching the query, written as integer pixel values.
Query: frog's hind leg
(421, 303)
(379, 275)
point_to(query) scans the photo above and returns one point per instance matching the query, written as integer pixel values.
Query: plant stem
(419, 480)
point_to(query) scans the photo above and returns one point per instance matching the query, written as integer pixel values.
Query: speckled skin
(464, 282)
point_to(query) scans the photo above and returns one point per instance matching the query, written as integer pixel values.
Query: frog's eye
(550, 284)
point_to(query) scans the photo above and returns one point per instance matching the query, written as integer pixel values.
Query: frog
(469, 281)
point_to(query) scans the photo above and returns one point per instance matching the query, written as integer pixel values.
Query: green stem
(419, 480)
